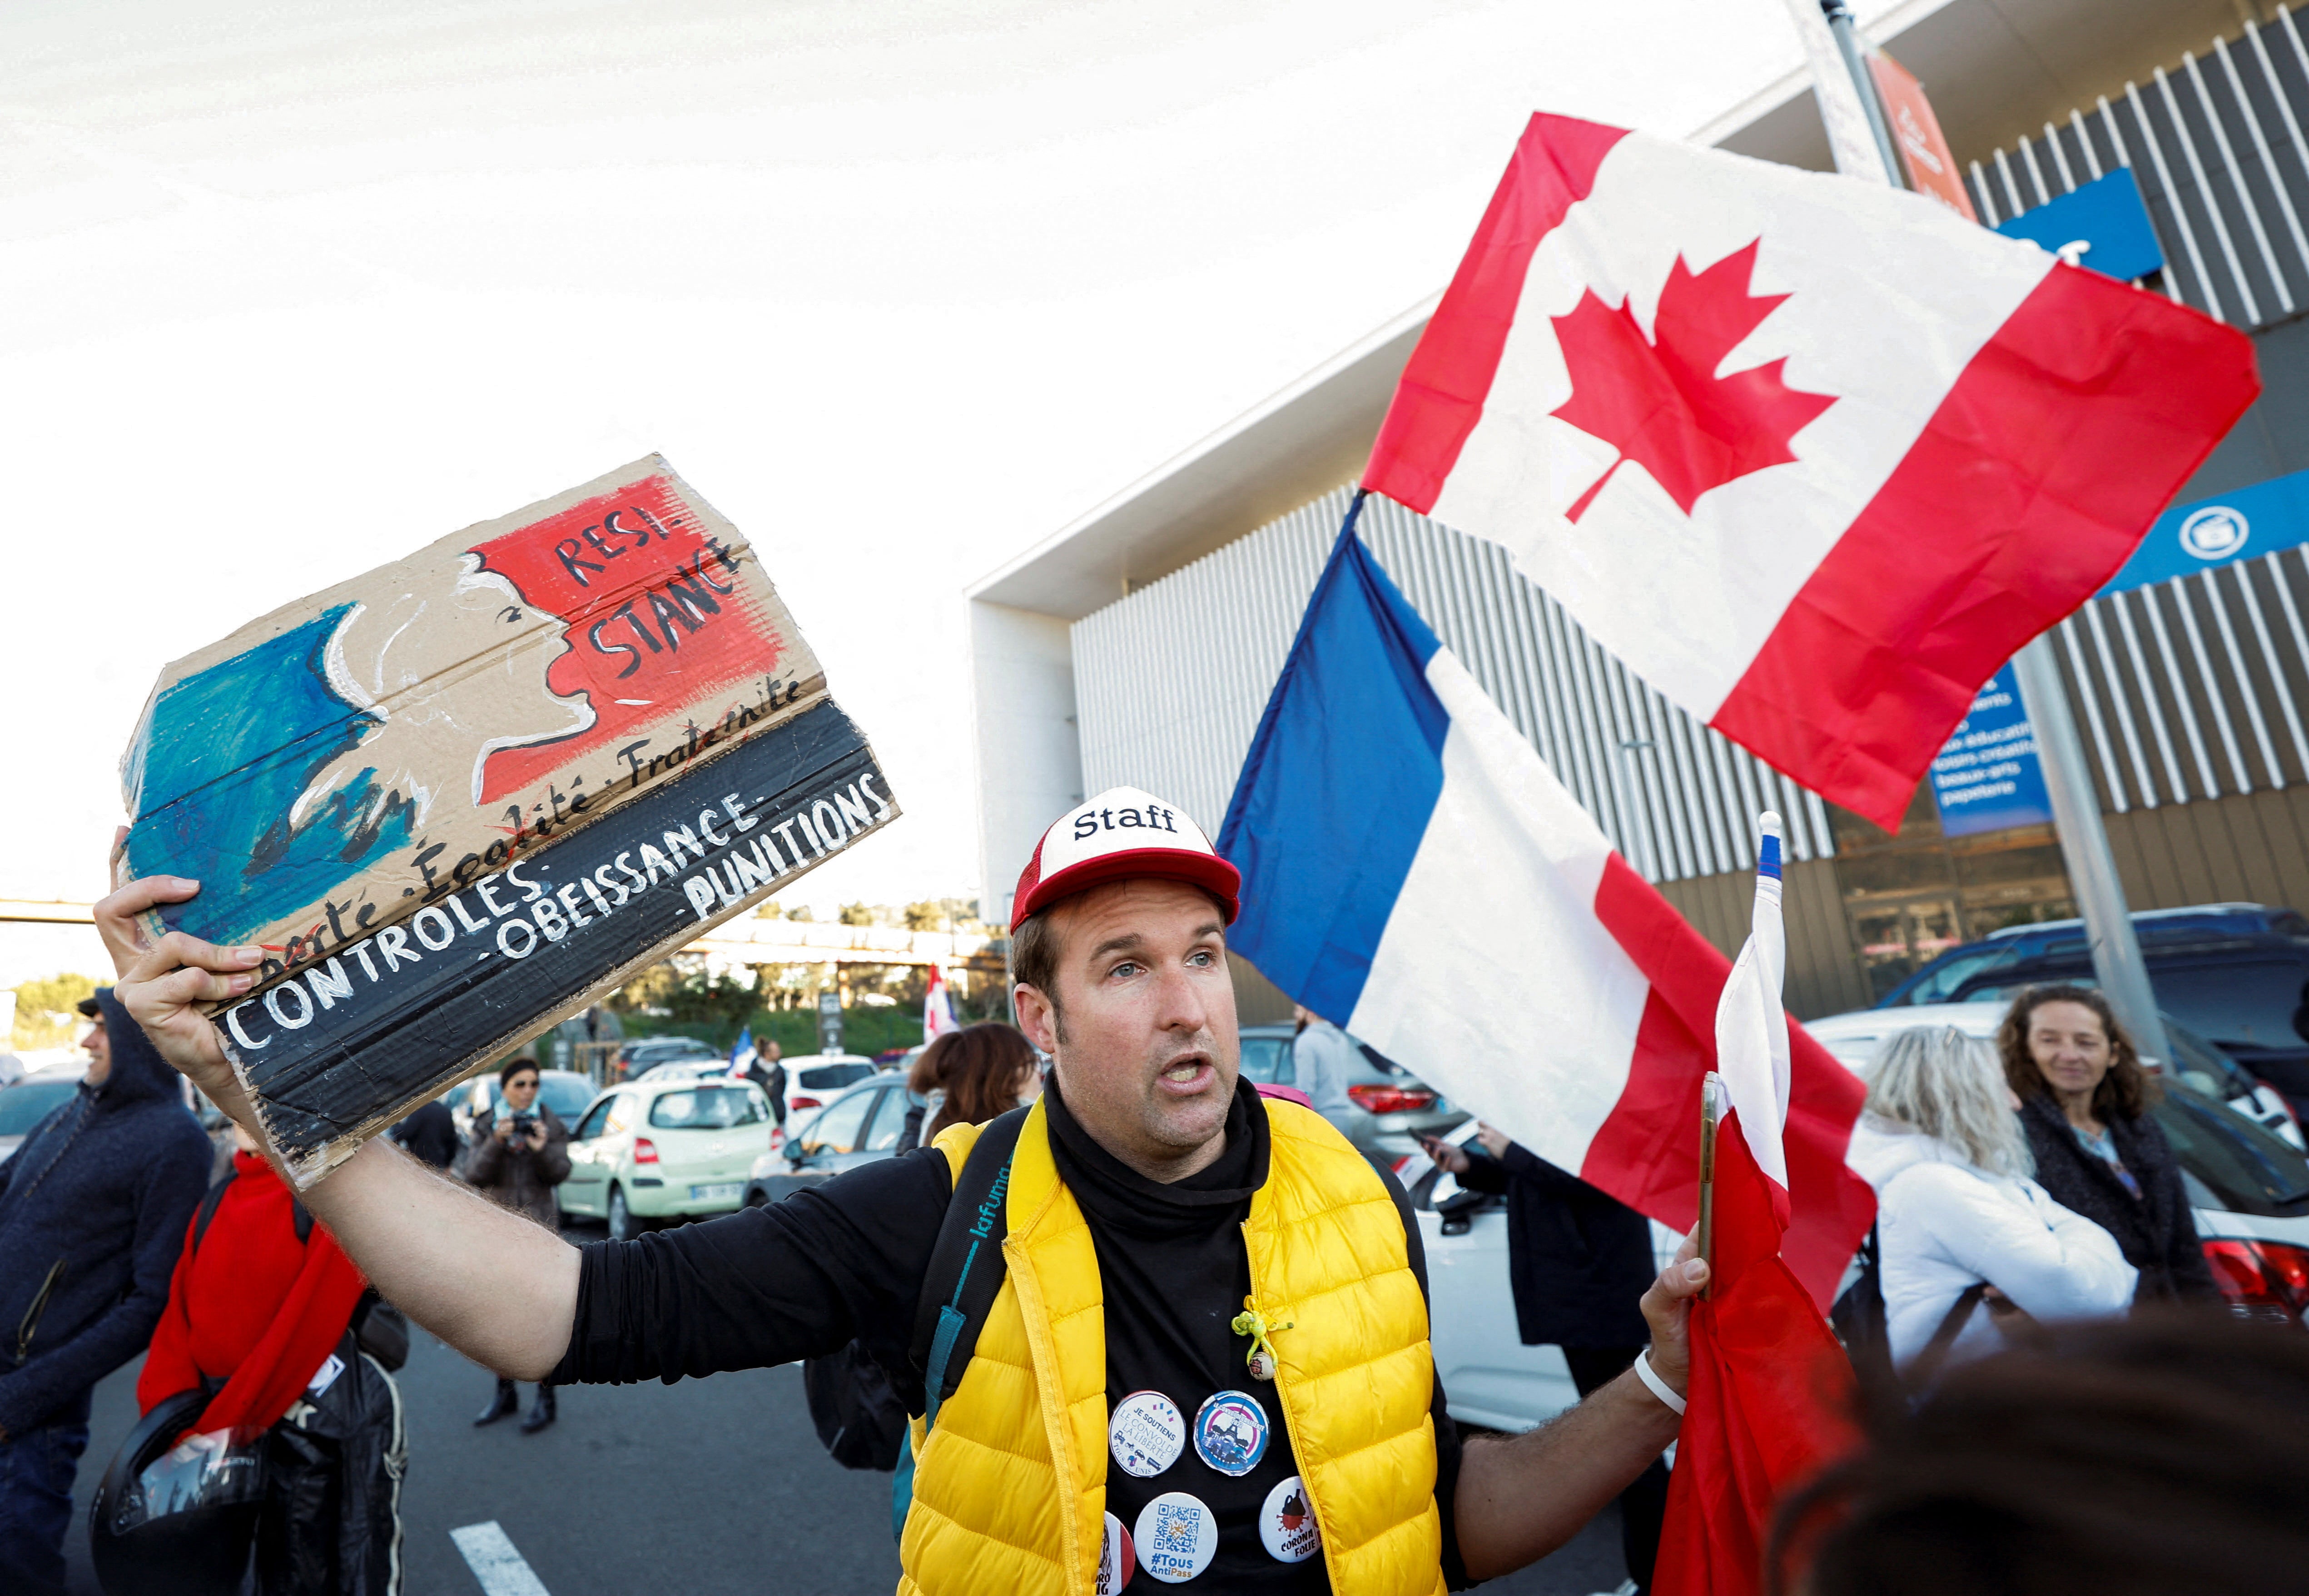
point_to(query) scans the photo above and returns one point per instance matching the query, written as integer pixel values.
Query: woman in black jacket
(1578, 1262)
(2084, 1099)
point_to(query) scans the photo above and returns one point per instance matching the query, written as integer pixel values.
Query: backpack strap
(300, 1214)
(1928, 1363)
(967, 1269)
(966, 1274)
(209, 1206)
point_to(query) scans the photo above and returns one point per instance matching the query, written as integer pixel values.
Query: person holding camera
(520, 1153)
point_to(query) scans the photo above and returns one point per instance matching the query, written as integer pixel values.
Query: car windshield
(827, 1077)
(1266, 1061)
(566, 1095)
(26, 1105)
(705, 1108)
(2247, 1169)
(1935, 986)
(2204, 1066)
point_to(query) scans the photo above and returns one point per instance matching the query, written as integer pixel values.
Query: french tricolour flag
(1414, 870)
(1813, 456)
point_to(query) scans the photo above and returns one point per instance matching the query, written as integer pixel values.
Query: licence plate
(716, 1193)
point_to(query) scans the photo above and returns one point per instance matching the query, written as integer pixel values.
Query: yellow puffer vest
(1009, 1491)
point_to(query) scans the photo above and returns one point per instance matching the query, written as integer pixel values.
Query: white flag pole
(2117, 963)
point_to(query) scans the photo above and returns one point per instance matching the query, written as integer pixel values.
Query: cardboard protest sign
(355, 756)
(458, 797)
(348, 1043)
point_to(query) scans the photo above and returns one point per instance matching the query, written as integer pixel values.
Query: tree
(925, 916)
(46, 1009)
(856, 913)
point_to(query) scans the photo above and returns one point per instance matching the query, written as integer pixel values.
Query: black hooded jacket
(93, 1208)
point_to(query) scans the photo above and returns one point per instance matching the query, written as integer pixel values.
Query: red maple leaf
(1659, 402)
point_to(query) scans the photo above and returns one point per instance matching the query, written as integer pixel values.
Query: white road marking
(489, 1553)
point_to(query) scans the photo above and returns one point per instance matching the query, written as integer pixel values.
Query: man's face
(1149, 1056)
(100, 1052)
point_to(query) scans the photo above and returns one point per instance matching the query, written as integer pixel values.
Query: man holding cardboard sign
(1145, 1197)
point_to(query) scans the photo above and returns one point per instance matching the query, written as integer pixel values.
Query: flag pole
(1711, 1115)
(2118, 966)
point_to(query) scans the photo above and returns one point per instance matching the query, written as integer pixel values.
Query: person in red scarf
(260, 1312)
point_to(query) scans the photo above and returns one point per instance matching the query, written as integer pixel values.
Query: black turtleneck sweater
(844, 1262)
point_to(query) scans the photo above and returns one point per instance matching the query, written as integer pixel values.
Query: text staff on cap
(1200, 1351)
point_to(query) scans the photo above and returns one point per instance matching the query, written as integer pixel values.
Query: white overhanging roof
(1996, 69)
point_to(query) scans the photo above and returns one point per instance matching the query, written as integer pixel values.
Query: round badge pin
(1287, 1523)
(1145, 1434)
(1231, 1432)
(1115, 1562)
(1176, 1538)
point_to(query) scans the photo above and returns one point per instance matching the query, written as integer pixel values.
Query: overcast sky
(286, 292)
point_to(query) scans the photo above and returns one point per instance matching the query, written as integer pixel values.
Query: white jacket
(1943, 1224)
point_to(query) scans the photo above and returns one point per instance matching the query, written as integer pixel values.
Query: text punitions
(1147, 1434)
(1231, 1432)
(1116, 1564)
(1176, 1538)
(1286, 1524)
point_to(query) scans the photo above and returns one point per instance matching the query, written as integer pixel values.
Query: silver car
(864, 1124)
(1388, 1108)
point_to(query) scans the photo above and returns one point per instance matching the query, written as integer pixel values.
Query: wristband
(1659, 1387)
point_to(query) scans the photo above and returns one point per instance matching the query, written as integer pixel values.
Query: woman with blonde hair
(1960, 1225)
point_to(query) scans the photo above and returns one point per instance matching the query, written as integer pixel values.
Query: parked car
(858, 1126)
(2248, 1187)
(2249, 1190)
(813, 1079)
(637, 1057)
(1388, 1108)
(2234, 973)
(649, 1152)
(30, 1098)
(564, 1091)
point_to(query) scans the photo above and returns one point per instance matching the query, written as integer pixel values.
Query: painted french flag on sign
(1413, 870)
(1813, 456)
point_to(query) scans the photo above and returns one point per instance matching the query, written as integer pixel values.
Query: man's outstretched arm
(500, 1288)
(1520, 1499)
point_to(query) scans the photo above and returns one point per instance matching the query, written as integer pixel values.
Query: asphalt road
(711, 1488)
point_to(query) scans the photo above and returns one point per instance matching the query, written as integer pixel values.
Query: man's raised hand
(159, 980)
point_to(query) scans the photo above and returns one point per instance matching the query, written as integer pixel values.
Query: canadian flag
(1812, 455)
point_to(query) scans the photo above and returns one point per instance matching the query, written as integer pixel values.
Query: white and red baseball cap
(1120, 834)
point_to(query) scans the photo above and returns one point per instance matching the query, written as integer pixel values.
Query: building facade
(1139, 645)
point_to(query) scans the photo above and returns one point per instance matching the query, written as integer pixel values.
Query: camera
(519, 1126)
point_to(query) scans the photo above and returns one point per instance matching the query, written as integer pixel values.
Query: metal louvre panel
(1171, 682)
(2217, 146)
(2216, 666)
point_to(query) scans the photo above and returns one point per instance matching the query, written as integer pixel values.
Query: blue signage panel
(2104, 226)
(2205, 533)
(1988, 778)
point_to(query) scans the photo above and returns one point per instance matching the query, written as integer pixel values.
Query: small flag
(1768, 1398)
(938, 1008)
(742, 1056)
